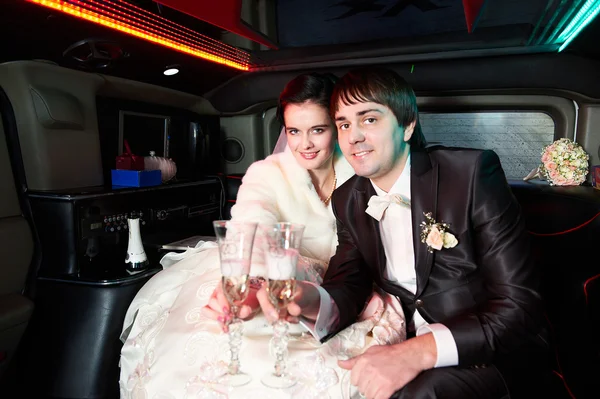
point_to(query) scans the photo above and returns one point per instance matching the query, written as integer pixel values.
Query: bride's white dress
(172, 351)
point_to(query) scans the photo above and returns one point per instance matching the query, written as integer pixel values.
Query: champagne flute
(235, 240)
(282, 242)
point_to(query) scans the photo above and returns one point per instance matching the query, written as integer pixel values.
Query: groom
(438, 229)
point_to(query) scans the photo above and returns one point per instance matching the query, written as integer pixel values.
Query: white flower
(449, 240)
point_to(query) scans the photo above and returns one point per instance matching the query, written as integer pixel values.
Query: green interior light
(584, 16)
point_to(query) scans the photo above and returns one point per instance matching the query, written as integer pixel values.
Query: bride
(175, 324)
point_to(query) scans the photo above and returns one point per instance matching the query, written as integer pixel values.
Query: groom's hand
(306, 302)
(383, 369)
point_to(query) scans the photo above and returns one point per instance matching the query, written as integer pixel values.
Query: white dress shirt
(397, 238)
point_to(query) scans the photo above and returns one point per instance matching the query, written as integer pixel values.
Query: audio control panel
(158, 209)
(117, 222)
(109, 223)
(114, 223)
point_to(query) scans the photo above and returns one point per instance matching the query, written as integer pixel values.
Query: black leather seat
(18, 252)
(231, 184)
(565, 226)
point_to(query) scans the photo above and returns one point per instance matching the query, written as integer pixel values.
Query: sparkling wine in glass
(235, 240)
(282, 244)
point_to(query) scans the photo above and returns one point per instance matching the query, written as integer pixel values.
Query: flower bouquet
(564, 163)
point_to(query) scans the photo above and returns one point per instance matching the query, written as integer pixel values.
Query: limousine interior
(83, 82)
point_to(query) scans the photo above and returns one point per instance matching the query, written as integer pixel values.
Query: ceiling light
(171, 70)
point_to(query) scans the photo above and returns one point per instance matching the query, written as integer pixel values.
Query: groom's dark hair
(382, 86)
(314, 87)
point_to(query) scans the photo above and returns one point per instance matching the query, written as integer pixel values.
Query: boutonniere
(435, 234)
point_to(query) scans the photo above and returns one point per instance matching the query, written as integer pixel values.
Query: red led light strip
(178, 28)
(199, 45)
(559, 373)
(562, 378)
(164, 25)
(145, 26)
(585, 289)
(559, 233)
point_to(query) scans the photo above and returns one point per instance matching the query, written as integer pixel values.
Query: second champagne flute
(235, 240)
(282, 244)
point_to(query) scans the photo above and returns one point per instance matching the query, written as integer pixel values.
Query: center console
(83, 290)
(83, 232)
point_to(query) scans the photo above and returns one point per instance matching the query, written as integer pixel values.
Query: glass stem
(235, 341)
(280, 341)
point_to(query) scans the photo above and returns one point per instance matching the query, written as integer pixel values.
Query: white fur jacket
(278, 189)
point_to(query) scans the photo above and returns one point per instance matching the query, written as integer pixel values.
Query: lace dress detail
(382, 319)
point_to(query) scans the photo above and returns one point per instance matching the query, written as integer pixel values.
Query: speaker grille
(232, 150)
(94, 53)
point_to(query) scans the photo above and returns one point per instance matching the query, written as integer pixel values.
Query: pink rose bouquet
(564, 163)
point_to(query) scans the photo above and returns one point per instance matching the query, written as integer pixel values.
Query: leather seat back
(48, 141)
(232, 184)
(16, 254)
(57, 127)
(565, 226)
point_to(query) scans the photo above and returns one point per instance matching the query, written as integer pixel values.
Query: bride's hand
(306, 302)
(218, 308)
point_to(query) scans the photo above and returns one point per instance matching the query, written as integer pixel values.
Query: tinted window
(517, 137)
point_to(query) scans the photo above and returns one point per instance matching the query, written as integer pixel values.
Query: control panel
(116, 223)
(167, 208)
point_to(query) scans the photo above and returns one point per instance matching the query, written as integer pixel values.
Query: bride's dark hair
(314, 87)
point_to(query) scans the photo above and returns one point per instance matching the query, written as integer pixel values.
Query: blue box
(136, 178)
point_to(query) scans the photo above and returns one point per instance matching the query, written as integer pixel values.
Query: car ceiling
(314, 30)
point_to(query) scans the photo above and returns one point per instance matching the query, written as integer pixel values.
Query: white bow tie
(377, 205)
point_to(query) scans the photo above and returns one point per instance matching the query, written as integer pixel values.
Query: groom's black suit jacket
(485, 289)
